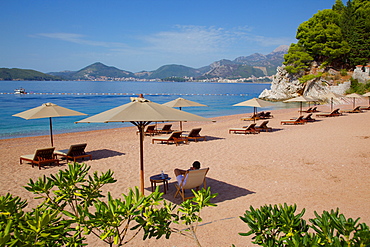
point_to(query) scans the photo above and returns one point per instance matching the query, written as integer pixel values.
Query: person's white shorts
(179, 179)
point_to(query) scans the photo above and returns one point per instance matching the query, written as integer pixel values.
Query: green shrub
(357, 87)
(71, 208)
(278, 225)
(343, 72)
(309, 77)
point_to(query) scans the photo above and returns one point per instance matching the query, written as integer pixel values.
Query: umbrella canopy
(367, 95)
(332, 96)
(354, 96)
(300, 99)
(181, 102)
(255, 102)
(48, 110)
(141, 113)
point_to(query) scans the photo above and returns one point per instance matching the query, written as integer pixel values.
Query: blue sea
(93, 97)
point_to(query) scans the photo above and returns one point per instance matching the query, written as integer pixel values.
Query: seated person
(179, 173)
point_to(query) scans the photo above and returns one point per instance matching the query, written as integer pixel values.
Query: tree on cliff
(337, 37)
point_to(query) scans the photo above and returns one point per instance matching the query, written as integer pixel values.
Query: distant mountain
(257, 65)
(270, 61)
(25, 75)
(171, 70)
(94, 71)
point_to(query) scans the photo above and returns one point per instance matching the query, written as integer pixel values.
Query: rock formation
(285, 86)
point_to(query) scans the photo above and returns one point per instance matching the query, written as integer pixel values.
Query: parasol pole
(180, 121)
(51, 132)
(141, 126)
(255, 114)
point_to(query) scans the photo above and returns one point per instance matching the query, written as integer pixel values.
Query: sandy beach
(319, 166)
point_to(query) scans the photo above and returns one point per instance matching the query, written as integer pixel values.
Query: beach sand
(318, 166)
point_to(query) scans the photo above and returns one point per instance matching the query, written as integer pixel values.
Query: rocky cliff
(285, 86)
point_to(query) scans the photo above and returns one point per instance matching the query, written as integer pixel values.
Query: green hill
(25, 75)
(174, 70)
(94, 71)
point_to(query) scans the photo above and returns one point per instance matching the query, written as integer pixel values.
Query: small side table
(159, 179)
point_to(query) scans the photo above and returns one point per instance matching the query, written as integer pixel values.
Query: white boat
(20, 91)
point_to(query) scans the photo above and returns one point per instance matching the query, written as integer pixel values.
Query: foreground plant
(278, 225)
(72, 208)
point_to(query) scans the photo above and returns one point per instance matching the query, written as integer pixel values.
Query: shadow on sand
(225, 191)
(104, 153)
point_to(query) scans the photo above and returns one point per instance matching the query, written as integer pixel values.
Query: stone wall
(362, 73)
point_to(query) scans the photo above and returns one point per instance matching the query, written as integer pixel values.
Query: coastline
(319, 166)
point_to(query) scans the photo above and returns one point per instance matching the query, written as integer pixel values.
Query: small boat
(20, 91)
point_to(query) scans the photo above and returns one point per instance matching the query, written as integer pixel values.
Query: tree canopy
(337, 37)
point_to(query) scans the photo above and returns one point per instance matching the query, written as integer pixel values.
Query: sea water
(93, 97)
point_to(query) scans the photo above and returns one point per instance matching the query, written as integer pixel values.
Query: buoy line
(132, 94)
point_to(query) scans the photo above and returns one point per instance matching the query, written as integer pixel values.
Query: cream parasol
(48, 110)
(181, 102)
(255, 102)
(367, 95)
(332, 96)
(354, 96)
(300, 99)
(140, 113)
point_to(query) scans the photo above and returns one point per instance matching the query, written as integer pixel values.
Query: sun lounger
(334, 113)
(294, 121)
(40, 157)
(194, 135)
(150, 130)
(314, 109)
(192, 179)
(263, 127)
(265, 115)
(307, 118)
(251, 118)
(166, 129)
(308, 110)
(365, 108)
(355, 110)
(76, 151)
(175, 137)
(248, 130)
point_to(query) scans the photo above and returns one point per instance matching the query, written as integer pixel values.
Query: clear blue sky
(136, 35)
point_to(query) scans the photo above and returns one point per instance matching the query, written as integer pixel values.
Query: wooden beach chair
(166, 129)
(308, 110)
(76, 151)
(355, 110)
(307, 118)
(334, 113)
(297, 121)
(263, 127)
(40, 157)
(194, 135)
(150, 130)
(175, 137)
(248, 130)
(192, 179)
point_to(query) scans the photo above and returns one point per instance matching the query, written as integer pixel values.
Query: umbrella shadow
(213, 138)
(225, 191)
(104, 153)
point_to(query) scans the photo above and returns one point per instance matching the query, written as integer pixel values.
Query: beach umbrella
(255, 102)
(300, 99)
(332, 96)
(181, 102)
(367, 95)
(48, 110)
(354, 96)
(141, 112)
